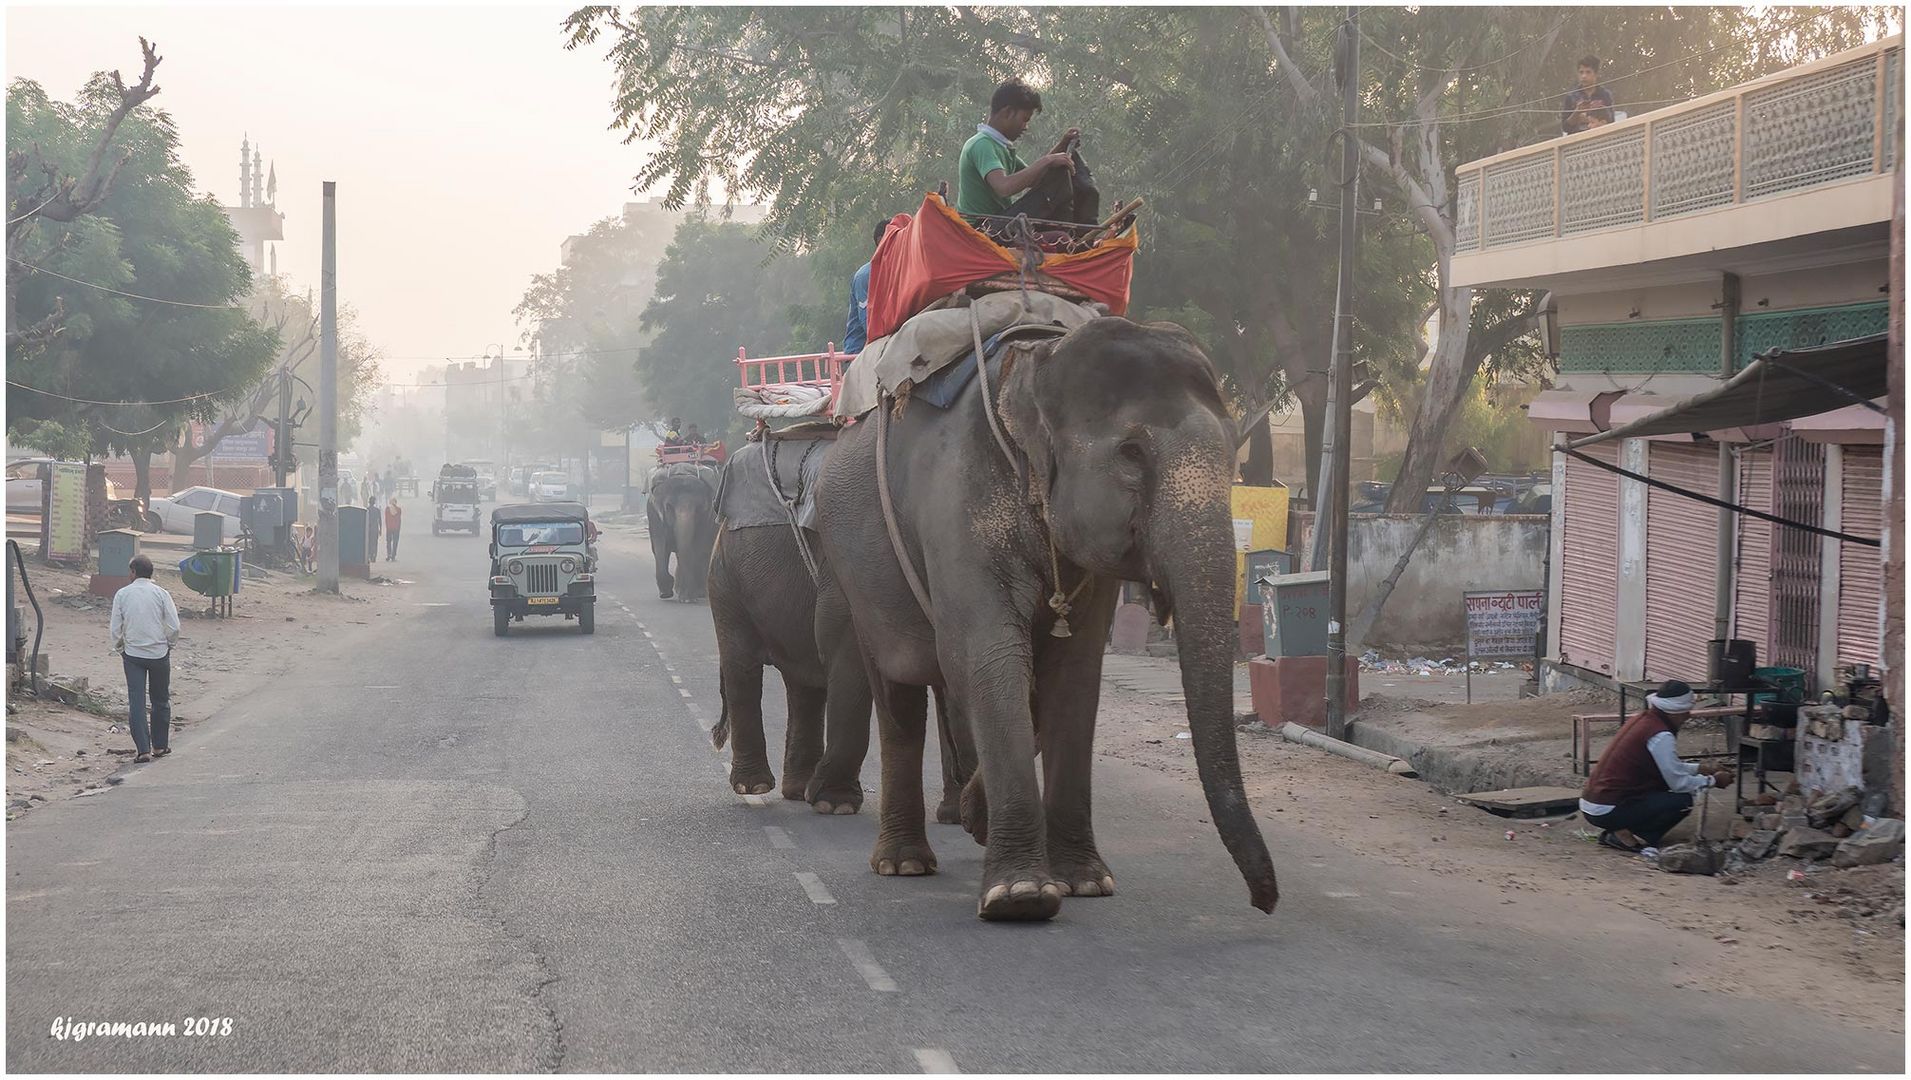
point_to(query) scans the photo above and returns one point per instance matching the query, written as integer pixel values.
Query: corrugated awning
(1780, 385)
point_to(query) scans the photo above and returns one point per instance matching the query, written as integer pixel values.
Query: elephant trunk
(690, 537)
(1190, 539)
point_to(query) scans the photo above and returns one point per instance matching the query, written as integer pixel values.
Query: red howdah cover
(931, 255)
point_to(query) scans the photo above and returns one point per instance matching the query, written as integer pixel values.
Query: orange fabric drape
(931, 255)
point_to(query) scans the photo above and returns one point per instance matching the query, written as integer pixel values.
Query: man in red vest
(1640, 789)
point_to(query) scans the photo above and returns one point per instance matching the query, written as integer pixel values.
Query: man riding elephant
(680, 506)
(989, 539)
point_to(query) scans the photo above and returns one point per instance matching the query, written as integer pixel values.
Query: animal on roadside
(680, 505)
(1108, 458)
(772, 610)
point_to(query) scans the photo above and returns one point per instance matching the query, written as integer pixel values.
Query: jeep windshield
(529, 533)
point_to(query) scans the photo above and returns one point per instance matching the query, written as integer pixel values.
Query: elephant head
(682, 509)
(1131, 451)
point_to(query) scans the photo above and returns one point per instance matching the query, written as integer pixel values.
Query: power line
(126, 404)
(117, 292)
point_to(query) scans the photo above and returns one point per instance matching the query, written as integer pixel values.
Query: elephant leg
(902, 838)
(802, 737)
(1067, 691)
(742, 677)
(990, 688)
(660, 554)
(958, 761)
(837, 787)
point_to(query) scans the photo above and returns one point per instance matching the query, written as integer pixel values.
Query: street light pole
(328, 395)
(1342, 391)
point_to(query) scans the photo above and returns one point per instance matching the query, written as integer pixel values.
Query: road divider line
(813, 885)
(936, 1061)
(780, 839)
(866, 965)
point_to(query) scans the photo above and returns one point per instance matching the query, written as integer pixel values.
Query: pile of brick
(1815, 825)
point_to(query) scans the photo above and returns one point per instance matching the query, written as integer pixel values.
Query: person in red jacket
(1640, 789)
(394, 517)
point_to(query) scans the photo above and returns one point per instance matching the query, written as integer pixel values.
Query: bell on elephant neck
(1060, 629)
(1060, 605)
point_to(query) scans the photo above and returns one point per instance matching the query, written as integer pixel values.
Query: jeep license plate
(541, 600)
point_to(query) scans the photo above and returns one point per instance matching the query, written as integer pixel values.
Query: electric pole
(328, 396)
(282, 461)
(1347, 67)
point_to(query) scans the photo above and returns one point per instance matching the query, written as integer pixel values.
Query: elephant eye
(1131, 451)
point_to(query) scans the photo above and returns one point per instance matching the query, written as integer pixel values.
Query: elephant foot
(949, 811)
(902, 858)
(663, 594)
(1083, 877)
(1023, 900)
(751, 781)
(835, 798)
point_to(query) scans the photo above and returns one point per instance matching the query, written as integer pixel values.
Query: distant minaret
(272, 186)
(258, 180)
(245, 168)
(272, 253)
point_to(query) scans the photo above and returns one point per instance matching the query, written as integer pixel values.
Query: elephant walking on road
(770, 611)
(1113, 461)
(680, 504)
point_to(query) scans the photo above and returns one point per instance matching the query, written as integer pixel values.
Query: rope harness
(790, 503)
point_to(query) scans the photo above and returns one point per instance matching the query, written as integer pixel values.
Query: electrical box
(1294, 614)
(208, 529)
(1265, 563)
(117, 548)
(352, 540)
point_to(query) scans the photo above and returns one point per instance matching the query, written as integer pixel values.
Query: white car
(550, 487)
(174, 513)
(23, 485)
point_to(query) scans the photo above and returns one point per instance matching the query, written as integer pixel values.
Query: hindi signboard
(66, 511)
(251, 447)
(1499, 624)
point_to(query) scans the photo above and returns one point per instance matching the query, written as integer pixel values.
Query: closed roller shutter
(1860, 574)
(1681, 561)
(1589, 562)
(1752, 588)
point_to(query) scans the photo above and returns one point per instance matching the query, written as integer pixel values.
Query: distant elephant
(680, 503)
(768, 610)
(1113, 462)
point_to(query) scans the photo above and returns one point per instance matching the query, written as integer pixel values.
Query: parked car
(23, 484)
(174, 513)
(521, 476)
(550, 487)
(487, 476)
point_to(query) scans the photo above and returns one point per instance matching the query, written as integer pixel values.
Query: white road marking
(394, 687)
(936, 1061)
(755, 800)
(678, 679)
(685, 693)
(866, 965)
(779, 839)
(1341, 895)
(434, 603)
(813, 885)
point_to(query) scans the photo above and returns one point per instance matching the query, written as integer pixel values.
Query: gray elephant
(775, 603)
(1109, 458)
(680, 503)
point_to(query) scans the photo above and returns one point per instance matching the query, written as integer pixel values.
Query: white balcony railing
(1816, 124)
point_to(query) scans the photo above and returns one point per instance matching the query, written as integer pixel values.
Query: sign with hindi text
(1504, 622)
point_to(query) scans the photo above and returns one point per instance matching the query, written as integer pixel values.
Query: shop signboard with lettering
(66, 511)
(1501, 623)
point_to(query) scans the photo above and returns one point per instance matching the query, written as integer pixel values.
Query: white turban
(1680, 704)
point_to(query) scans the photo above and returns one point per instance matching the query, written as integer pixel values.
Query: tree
(843, 117)
(716, 292)
(1442, 86)
(146, 284)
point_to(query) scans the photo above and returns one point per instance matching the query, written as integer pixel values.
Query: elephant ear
(1021, 411)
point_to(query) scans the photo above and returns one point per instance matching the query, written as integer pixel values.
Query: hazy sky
(466, 142)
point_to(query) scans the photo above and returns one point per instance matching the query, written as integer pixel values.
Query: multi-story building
(1678, 246)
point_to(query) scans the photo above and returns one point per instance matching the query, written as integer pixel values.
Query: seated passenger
(856, 331)
(1056, 187)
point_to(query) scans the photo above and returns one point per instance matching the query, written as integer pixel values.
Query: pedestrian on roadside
(372, 517)
(143, 627)
(394, 517)
(1640, 789)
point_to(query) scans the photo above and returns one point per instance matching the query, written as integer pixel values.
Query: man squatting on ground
(143, 627)
(1640, 789)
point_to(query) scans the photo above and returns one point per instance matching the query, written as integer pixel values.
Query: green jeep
(543, 562)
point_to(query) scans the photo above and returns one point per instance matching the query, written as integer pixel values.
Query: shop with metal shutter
(1752, 584)
(1589, 563)
(1681, 561)
(1860, 573)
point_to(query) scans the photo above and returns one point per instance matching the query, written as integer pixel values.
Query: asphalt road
(436, 850)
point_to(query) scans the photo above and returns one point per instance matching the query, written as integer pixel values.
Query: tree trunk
(1449, 378)
(1258, 471)
(1312, 395)
(143, 477)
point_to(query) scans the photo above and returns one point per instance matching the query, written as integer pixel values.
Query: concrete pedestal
(1252, 633)
(1294, 688)
(108, 584)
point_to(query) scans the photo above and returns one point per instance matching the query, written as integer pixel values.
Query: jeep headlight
(514, 567)
(567, 566)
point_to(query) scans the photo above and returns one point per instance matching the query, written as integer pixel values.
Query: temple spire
(258, 178)
(245, 169)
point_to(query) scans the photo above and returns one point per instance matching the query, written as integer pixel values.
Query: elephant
(770, 610)
(680, 505)
(1108, 458)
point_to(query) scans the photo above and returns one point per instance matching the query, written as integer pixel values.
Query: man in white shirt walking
(144, 626)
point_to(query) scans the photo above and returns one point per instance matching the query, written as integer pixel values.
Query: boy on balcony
(1589, 104)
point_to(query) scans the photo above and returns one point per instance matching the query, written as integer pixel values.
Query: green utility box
(353, 544)
(1294, 614)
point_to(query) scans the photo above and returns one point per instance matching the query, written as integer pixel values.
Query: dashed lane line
(936, 1061)
(779, 838)
(866, 965)
(813, 885)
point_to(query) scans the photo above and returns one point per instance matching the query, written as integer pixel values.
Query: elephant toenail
(886, 868)
(845, 808)
(912, 868)
(1023, 890)
(822, 806)
(995, 894)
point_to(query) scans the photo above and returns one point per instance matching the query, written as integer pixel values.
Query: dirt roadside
(1833, 942)
(57, 751)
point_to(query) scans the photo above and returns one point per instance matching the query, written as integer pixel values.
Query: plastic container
(1788, 684)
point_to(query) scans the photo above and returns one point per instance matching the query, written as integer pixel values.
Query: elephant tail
(720, 734)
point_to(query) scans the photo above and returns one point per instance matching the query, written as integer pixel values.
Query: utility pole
(282, 461)
(328, 396)
(1341, 394)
